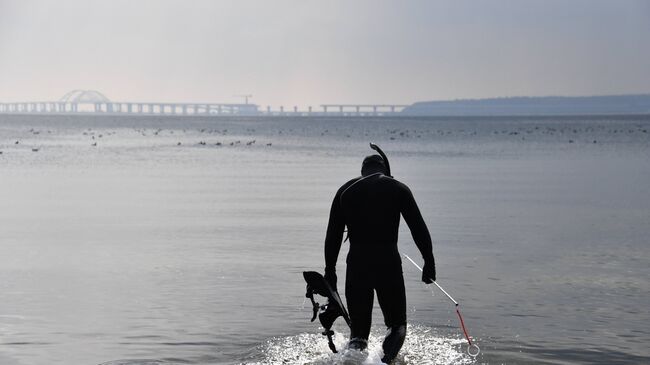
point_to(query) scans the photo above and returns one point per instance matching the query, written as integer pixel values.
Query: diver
(370, 206)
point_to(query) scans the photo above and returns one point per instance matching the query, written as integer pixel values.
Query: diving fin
(330, 311)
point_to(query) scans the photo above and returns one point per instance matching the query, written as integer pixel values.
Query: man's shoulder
(352, 181)
(397, 188)
(394, 182)
(348, 184)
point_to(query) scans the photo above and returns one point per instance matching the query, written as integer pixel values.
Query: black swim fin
(330, 311)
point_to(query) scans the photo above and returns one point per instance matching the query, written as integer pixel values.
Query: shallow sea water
(142, 251)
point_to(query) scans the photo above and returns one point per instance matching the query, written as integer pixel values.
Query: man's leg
(392, 300)
(359, 295)
(393, 342)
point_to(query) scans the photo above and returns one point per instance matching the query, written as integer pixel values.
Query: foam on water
(422, 346)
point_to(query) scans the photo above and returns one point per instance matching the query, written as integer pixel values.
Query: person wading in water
(370, 206)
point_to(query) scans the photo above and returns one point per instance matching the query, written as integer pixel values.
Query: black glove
(429, 272)
(330, 277)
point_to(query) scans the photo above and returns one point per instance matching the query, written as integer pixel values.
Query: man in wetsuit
(370, 206)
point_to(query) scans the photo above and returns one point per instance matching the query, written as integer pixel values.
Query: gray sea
(181, 240)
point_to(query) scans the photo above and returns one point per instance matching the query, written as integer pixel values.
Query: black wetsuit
(370, 207)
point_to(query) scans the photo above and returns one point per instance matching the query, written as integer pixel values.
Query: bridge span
(91, 101)
(94, 102)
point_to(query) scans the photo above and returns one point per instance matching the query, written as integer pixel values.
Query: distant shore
(535, 106)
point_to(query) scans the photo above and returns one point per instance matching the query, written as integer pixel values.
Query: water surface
(141, 250)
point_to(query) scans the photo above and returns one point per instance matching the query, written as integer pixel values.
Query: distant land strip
(546, 105)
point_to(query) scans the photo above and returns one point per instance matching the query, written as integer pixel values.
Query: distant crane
(245, 97)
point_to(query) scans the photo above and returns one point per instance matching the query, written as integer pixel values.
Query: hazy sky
(331, 51)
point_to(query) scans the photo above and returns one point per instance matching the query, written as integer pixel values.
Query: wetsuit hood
(372, 164)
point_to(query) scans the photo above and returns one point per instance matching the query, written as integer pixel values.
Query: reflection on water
(422, 346)
(117, 242)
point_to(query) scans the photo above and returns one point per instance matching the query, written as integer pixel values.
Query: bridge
(363, 108)
(91, 101)
(94, 102)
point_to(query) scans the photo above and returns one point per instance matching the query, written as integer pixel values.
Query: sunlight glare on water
(422, 346)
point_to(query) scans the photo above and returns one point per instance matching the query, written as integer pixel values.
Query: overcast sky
(331, 51)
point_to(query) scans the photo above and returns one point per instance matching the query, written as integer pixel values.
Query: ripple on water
(422, 346)
(133, 362)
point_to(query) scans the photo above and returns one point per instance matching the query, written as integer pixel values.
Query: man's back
(371, 208)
